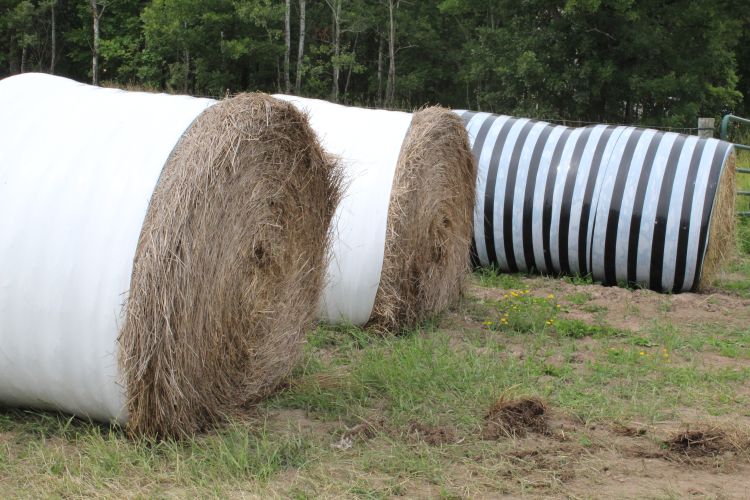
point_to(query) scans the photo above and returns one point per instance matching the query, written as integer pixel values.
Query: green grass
(578, 298)
(579, 280)
(81, 459)
(424, 377)
(447, 373)
(492, 278)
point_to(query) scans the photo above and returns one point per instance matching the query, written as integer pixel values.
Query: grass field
(531, 386)
(620, 376)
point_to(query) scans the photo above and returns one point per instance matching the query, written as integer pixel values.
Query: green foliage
(521, 312)
(577, 329)
(597, 60)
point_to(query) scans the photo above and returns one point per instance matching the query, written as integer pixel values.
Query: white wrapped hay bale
(161, 256)
(624, 204)
(402, 229)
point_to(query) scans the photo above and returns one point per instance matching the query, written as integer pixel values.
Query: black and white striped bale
(623, 204)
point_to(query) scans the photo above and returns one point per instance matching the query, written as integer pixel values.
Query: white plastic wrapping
(78, 165)
(368, 142)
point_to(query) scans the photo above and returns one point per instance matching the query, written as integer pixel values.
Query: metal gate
(743, 160)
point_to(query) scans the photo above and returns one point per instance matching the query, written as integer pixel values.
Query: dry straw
(721, 245)
(229, 266)
(430, 220)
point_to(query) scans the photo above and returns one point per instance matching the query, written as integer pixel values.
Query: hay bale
(403, 228)
(429, 222)
(625, 205)
(216, 242)
(227, 274)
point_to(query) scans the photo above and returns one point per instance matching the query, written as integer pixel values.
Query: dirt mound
(516, 417)
(434, 435)
(708, 442)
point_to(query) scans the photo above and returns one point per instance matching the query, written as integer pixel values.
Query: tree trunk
(96, 15)
(12, 60)
(53, 38)
(23, 59)
(351, 66)
(380, 70)
(186, 84)
(300, 48)
(390, 88)
(288, 42)
(336, 9)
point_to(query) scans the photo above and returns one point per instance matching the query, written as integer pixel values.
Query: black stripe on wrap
(489, 196)
(482, 136)
(548, 192)
(714, 177)
(588, 195)
(510, 192)
(687, 205)
(474, 254)
(476, 150)
(528, 203)
(567, 199)
(467, 116)
(640, 197)
(662, 212)
(615, 206)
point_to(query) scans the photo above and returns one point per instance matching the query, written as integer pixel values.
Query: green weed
(492, 278)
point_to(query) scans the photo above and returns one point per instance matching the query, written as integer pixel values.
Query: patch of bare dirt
(636, 309)
(291, 421)
(434, 435)
(713, 360)
(618, 475)
(628, 430)
(515, 417)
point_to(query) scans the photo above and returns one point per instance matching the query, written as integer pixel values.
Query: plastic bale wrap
(623, 204)
(162, 256)
(403, 227)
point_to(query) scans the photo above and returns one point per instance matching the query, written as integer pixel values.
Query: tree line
(652, 62)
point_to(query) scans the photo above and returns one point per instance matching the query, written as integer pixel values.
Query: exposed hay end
(430, 219)
(229, 266)
(722, 244)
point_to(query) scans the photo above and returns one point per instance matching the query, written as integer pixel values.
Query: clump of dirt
(708, 442)
(627, 430)
(434, 435)
(515, 417)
